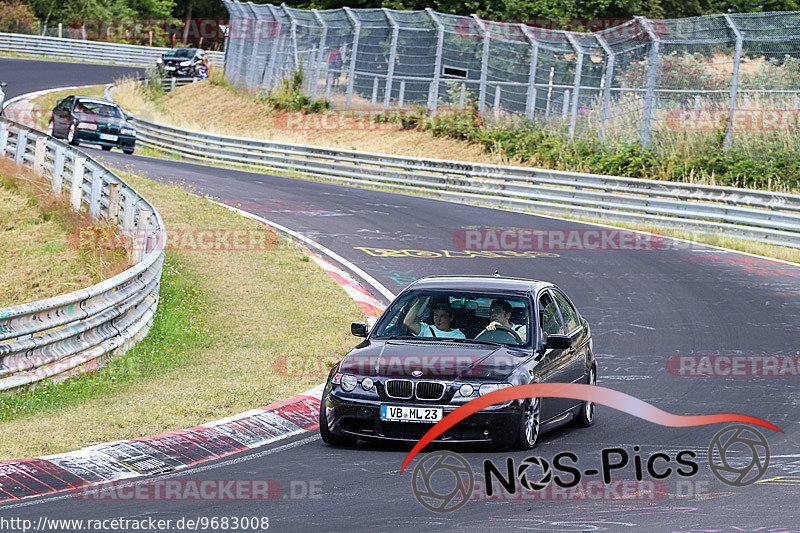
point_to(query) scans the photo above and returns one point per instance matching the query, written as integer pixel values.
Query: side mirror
(58, 103)
(359, 329)
(3, 84)
(558, 342)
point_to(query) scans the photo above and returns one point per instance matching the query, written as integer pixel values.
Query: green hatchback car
(81, 119)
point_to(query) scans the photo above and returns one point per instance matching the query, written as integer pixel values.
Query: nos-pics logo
(443, 481)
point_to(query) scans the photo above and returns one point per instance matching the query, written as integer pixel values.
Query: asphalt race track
(644, 306)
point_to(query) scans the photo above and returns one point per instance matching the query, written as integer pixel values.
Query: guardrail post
(484, 61)
(530, 100)
(433, 94)
(141, 234)
(113, 201)
(3, 138)
(39, 153)
(58, 170)
(95, 192)
(652, 77)
(127, 225)
(22, 146)
(605, 105)
(77, 182)
(321, 56)
(737, 59)
(576, 87)
(387, 94)
(172, 84)
(352, 70)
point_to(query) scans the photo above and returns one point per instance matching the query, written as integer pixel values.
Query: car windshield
(458, 317)
(180, 52)
(97, 108)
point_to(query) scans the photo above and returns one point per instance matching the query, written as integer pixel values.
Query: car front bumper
(361, 418)
(93, 137)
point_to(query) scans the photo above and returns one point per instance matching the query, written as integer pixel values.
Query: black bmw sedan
(446, 340)
(81, 119)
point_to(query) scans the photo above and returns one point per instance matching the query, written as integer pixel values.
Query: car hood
(432, 360)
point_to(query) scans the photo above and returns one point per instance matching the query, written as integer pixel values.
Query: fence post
(496, 104)
(737, 58)
(95, 192)
(433, 94)
(401, 96)
(321, 57)
(652, 77)
(39, 153)
(565, 104)
(58, 171)
(530, 100)
(252, 75)
(77, 182)
(484, 61)
(245, 21)
(375, 90)
(387, 94)
(293, 30)
(113, 201)
(352, 69)
(549, 93)
(269, 73)
(22, 145)
(463, 96)
(577, 83)
(609, 79)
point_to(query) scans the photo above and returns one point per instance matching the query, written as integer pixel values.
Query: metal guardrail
(93, 51)
(751, 214)
(63, 336)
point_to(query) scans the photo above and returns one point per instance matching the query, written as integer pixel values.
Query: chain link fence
(733, 78)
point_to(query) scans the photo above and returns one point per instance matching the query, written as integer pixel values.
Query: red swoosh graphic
(592, 393)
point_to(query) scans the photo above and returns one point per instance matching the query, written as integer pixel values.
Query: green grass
(178, 326)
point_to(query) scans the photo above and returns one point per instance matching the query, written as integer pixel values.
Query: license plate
(411, 414)
(107, 137)
(169, 68)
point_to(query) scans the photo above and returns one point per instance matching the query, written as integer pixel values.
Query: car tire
(51, 128)
(127, 151)
(106, 148)
(328, 437)
(585, 416)
(530, 424)
(72, 138)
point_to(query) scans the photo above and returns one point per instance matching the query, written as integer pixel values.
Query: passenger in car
(500, 315)
(442, 320)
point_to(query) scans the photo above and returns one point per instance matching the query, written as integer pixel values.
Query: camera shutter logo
(544, 479)
(725, 448)
(443, 481)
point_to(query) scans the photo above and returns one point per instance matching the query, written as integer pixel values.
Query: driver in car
(442, 318)
(500, 315)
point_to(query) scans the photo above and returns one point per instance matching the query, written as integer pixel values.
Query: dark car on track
(181, 62)
(81, 119)
(431, 351)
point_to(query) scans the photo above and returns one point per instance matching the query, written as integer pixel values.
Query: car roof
(479, 284)
(94, 100)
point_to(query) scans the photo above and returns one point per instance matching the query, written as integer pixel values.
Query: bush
(289, 95)
(16, 17)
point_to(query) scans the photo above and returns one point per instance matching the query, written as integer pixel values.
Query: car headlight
(466, 390)
(367, 384)
(345, 381)
(127, 131)
(159, 60)
(86, 126)
(186, 63)
(487, 388)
